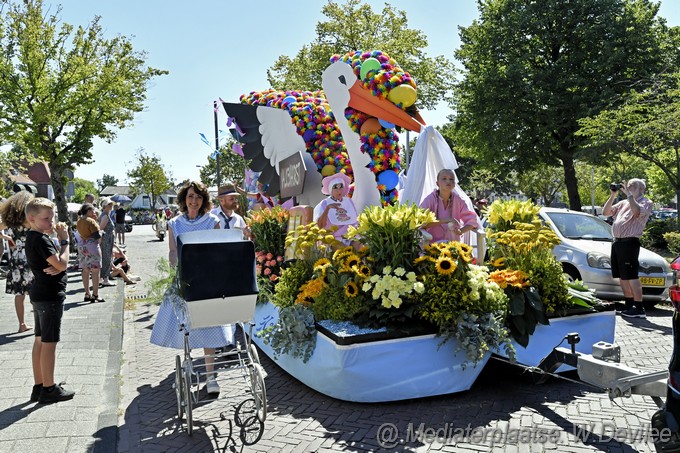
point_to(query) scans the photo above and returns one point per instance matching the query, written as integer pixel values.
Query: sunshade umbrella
(121, 198)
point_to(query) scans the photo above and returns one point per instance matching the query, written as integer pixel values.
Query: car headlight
(599, 260)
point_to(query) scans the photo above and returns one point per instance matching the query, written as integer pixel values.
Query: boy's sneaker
(35, 393)
(55, 394)
(634, 312)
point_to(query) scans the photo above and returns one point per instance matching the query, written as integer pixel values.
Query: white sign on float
(292, 175)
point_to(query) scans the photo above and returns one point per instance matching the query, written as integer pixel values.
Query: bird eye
(342, 80)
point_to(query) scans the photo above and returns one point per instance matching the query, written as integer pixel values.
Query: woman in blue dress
(194, 204)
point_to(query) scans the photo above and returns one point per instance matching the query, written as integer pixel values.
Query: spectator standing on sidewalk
(90, 254)
(630, 217)
(48, 293)
(120, 225)
(20, 276)
(107, 231)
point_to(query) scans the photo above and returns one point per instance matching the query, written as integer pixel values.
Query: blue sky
(221, 48)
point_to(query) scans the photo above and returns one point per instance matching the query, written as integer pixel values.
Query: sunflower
(320, 262)
(362, 271)
(445, 265)
(352, 260)
(351, 289)
(341, 252)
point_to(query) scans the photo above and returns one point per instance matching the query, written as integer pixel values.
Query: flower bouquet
(461, 300)
(268, 230)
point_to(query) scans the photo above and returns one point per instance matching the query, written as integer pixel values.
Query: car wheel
(571, 273)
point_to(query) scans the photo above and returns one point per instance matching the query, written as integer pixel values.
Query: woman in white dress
(194, 204)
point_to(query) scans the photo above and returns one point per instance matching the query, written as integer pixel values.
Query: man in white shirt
(229, 219)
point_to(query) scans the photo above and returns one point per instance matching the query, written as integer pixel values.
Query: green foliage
(477, 334)
(673, 240)
(232, 167)
(62, 86)
(654, 236)
(294, 333)
(533, 69)
(644, 125)
(543, 181)
(332, 303)
(289, 283)
(546, 276)
(106, 181)
(525, 311)
(354, 26)
(160, 283)
(149, 176)
(82, 187)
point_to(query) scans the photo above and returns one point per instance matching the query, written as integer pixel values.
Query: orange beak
(363, 100)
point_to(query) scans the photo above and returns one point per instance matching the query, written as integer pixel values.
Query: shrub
(673, 241)
(653, 236)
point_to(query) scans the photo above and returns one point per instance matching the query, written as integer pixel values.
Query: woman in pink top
(454, 216)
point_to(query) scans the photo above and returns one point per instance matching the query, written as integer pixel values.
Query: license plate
(652, 281)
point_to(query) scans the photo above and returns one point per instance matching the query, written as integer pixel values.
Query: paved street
(504, 400)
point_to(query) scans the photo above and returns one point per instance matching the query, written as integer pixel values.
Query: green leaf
(516, 304)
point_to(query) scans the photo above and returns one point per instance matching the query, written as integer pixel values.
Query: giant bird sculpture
(348, 127)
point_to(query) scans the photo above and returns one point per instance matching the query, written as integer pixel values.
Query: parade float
(391, 317)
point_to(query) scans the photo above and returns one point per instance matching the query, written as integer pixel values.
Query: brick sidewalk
(88, 359)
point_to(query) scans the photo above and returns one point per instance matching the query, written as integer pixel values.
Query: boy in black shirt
(47, 296)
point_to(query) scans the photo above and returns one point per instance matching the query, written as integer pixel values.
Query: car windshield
(576, 226)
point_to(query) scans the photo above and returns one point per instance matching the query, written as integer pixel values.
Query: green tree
(62, 86)
(533, 69)
(542, 182)
(149, 176)
(355, 26)
(232, 167)
(81, 188)
(106, 181)
(645, 125)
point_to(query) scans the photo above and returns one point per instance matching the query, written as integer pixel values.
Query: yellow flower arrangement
(310, 242)
(502, 214)
(309, 291)
(391, 234)
(507, 277)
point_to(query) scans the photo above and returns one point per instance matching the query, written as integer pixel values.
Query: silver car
(585, 255)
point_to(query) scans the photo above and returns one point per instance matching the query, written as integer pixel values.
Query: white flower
(399, 272)
(419, 287)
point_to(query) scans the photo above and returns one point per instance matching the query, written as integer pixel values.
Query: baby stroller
(218, 286)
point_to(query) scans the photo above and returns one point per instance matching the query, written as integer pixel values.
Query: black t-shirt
(45, 288)
(120, 215)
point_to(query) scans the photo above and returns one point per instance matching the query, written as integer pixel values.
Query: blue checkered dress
(166, 328)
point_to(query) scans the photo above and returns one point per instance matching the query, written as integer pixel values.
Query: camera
(615, 186)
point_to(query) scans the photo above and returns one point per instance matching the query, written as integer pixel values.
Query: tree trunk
(58, 181)
(570, 180)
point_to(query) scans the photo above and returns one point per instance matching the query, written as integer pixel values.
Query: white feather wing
(279, 136)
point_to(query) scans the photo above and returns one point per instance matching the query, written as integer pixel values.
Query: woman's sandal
(88, 298)
(95, 298)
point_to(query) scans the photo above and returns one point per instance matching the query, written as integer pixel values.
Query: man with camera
(630, 217)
